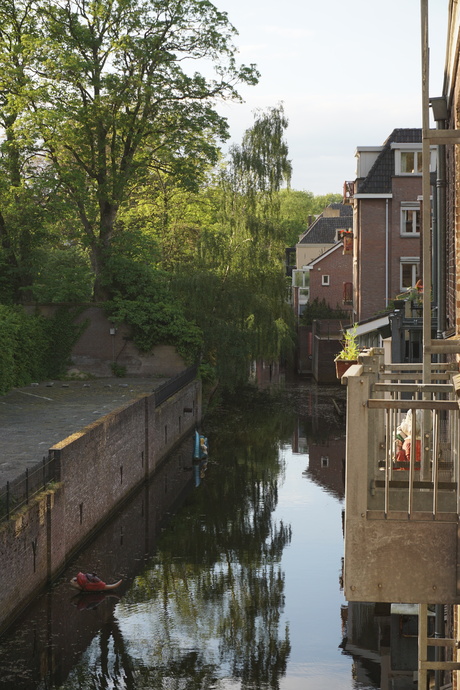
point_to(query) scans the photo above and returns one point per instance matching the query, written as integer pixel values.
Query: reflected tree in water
(208, 606)
(206, 610)
(216, 582)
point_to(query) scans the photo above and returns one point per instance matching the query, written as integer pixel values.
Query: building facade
(387, 221)
(331, 279)
(323, 234)
(401, 526)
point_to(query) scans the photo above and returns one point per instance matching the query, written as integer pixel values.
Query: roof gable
(326, 254)
(378, 180)
(324, 229)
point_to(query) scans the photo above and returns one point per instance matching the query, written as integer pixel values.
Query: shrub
(32, 347)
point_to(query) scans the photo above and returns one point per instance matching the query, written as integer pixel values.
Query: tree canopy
(113, 187)
(105, 92)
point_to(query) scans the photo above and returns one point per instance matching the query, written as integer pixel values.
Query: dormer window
(411, 163)
(408, 158)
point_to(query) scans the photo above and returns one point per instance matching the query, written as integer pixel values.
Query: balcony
(348, 191)
(401, 519)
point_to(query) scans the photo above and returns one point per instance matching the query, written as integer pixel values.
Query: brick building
(331, 278)
(386, 221)
(323, 234)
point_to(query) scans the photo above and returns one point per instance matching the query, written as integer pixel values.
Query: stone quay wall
(99, 468)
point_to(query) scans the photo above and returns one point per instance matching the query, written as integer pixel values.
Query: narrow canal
(236, 585)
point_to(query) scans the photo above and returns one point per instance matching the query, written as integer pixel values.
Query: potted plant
(349, 352)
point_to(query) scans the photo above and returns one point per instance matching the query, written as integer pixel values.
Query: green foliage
(350, 349)
(106, 151)
(145, 302)
(207, 374)
(33, 348)
(63, 333)
(235, 288)
(111, 101)
(23, 342)
(322, 201)
(62, 275)
(118, 369)
(320, 309)
(155, 320)
(242, 319)
(297, 208)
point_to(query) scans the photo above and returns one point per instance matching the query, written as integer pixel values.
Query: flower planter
(341, 366)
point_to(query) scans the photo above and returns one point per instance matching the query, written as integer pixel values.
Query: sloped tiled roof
(378, 180)
(324, 229)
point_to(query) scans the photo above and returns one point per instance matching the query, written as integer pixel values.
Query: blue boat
(200, 449)
(200, 457)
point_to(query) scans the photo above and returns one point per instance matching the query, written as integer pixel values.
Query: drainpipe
(387, 254)
(441, 192)
(439, 109)
(435, 247)
(439, 632)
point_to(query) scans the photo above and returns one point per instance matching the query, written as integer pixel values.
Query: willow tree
(237, 292)
(256, 172)
(116, 95)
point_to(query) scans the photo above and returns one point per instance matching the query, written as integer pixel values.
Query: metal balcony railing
(427, 480)
(401, 513)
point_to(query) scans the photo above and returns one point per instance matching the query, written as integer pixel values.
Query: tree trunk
(101, 250)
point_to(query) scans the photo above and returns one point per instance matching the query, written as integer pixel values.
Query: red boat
(90, 582)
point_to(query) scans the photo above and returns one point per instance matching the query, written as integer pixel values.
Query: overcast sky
(347, 71)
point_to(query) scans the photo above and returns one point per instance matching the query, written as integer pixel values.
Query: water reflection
(241, 589)
(212, 596)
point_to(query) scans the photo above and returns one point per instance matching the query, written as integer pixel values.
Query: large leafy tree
(116, 96)
(298, 209)
(20, 194)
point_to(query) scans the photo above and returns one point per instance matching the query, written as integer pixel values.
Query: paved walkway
(34, 418)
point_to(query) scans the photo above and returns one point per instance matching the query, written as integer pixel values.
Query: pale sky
(347, 71)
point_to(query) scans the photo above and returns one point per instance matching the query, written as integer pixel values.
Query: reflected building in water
(326, 465)
(380, 638)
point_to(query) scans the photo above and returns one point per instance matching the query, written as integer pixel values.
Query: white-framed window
(411, 163)
(300, 278)
(410, 219)
(324, 461)
(408, 161)
(408, 158)
(301, 282)
(325, 279)
(409, 270)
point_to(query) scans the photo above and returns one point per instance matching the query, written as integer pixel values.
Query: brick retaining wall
(61, 631)
(99, 468)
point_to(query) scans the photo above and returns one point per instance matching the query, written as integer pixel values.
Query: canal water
(231, 571)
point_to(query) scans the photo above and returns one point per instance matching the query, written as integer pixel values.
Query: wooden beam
(413, 387)
(439, 137)
(383, 403)
(440, 665)
(442, 642)
(450, 347)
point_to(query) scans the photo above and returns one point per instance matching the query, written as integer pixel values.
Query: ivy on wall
(34, 347)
